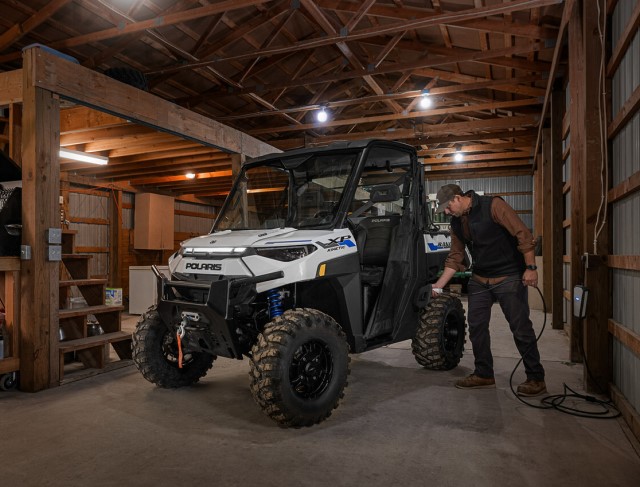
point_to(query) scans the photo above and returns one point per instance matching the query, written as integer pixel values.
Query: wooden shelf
(83, 282)
(93, 341)
(87, 310)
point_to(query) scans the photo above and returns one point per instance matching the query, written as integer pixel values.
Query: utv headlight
(286, 254)
(212, 251)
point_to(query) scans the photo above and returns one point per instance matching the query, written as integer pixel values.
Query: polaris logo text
(201, 266)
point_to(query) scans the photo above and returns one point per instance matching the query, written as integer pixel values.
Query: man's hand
(530, 278)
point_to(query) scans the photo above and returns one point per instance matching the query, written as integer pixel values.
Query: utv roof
(356, 144)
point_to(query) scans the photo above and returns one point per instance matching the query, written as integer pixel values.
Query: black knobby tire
(440, 336)
(299, 367)
(155, 354)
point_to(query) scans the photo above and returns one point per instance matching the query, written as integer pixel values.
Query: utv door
(388, 230)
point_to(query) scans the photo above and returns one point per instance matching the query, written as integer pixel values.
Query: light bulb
(322, 115)
(458, 157)
(190, 175)
(425, 102)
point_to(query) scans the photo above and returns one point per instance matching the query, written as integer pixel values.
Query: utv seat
(373, 238)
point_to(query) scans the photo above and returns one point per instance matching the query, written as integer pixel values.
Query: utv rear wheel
(299, 367)
(439, 340)
(155, 354)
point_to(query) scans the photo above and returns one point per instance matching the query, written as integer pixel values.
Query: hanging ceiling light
(322, 115)
(458, 156)
(425, 100)
(76, 155)
(190, 175)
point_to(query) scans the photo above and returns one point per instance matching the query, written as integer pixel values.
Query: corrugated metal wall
(94, 235)
(501, 185)
(193, 224)
(625, 225)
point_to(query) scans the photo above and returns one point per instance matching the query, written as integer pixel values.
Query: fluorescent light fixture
(425, 101)
(190, 175)
(322, 115)
(76, 155)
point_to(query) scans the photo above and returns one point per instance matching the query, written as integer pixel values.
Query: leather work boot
(475, 382)
(531, 388)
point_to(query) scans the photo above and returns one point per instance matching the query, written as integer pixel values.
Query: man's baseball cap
(446, 194)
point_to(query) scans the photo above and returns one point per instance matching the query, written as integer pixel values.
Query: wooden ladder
(92, 351)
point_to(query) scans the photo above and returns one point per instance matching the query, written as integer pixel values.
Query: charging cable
(607, 409)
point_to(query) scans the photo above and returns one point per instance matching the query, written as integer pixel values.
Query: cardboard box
(113, 296)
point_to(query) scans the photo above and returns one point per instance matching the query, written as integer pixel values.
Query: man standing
(502, 249)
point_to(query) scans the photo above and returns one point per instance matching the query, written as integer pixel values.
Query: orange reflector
(322, 269)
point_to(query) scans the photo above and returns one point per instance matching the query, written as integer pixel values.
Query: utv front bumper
(208, 313)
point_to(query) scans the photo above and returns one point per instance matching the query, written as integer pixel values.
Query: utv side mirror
(384, 193)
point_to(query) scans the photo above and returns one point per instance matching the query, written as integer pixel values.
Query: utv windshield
(299, 192)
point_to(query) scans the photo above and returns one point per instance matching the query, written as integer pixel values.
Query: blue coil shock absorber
(275, 303)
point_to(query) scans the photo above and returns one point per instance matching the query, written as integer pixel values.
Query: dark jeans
(512, 297)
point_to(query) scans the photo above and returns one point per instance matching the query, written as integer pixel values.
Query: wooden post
(554, 245)
(596, 339)
(115, 224)
(546, 221)
(40, 192)
(577, 115)
(15, 133)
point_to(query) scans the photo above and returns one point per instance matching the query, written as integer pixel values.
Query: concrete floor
(398, 425)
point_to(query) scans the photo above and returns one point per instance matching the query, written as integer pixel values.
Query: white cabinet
(143, 287)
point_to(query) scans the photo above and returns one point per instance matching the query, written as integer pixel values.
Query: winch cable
(608, 409)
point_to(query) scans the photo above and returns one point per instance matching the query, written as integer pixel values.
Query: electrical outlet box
(55, 253)
(54, 236)
(580, 295)
(25, 252)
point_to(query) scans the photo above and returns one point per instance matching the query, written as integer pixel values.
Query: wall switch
(55, 253)
(54, 235)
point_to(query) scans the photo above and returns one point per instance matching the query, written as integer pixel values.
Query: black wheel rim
(451, 333)
(311, 369)
(170, 350)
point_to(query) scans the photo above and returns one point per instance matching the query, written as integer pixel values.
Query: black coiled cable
(607, 409)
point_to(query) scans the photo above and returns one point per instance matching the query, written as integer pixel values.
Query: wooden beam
(626, 336)
(479, 157)
(626, 262)
(625, 188)
(592, 230)
(476, 165)
(40, 211)
(17, 31)
(566, 16)
(15, 133)
(626, 113)
(400, 116)
(11, 87)
(172, 179)
(553, 243)
(94, 89)
(115, 225)
(378, 30)
(577, 114)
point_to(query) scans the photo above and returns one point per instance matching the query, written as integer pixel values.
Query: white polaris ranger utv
(316, 253)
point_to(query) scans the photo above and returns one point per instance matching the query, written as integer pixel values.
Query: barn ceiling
(267, 68)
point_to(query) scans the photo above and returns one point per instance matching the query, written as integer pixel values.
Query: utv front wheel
(439, 340)
(155, 354)
(299, 367)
